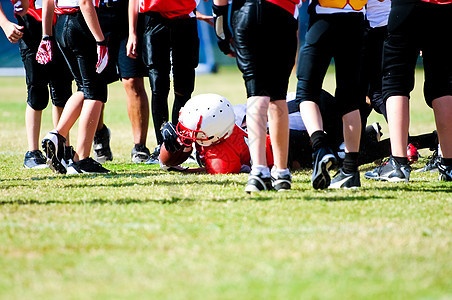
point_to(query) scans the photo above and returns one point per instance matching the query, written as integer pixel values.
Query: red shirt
(289, 5)
(228, 156)
(438, 1)
(169, 8)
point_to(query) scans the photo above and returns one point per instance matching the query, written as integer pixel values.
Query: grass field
(141, 233)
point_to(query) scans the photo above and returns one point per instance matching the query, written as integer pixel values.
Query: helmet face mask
(206, 119)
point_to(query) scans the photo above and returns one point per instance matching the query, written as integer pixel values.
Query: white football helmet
(206, 119)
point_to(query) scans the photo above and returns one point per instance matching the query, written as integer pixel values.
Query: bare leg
(312, 118)
(352, 131)
(89, 117)
(442, 108)
(278, 116)
(256, 119)
(398, 110)
(137, 108)
(33, 127)
(70, 113)
(56, 115)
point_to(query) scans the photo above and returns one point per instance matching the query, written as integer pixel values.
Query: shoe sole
(393, 179)
(52, 160)
(322, 180)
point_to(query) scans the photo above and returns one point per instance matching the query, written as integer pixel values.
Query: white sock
(282, 172)
(256, 169)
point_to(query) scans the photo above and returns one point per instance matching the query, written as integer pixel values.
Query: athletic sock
(350, 163)
(276, 172)
(318, 140)
(401, 160)
(446, 161)
(257, 169)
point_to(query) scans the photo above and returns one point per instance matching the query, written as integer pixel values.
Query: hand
(224, 36)
(44, 53)
(21, 8)
(12, 31)
(202, 17)
(170, 137)
(102, 56)
(131, 47)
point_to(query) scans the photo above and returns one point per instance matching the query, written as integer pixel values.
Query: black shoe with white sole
(86, 166)
(35, 160)
(445, 172)
(282, 182)
(345, 181)
(390, 171)
(258, 183)
(54, 148)
(101, 145)
(323, 161)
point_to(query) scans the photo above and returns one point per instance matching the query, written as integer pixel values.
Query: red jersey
(229, 156)
(63, 7)
(289, 5)
(438, 1)
(169, 8)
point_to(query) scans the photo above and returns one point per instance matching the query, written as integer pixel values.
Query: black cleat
(323, 160)
(35, 160)
(140, 154)
(282, 182)
(258, 183)
(390, 171)
(346, 181)
(53, 145)
(101, 145)
(86, 166)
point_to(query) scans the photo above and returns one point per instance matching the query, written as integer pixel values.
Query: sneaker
(154, 158)
(86, 166)
(323, 160)
(412, 153)
(140, 154)
(101, 145)
(281, 182)
(445, 172)
(34, 160)
(257, 183)
(53, 145)
(432, 164)
(390, 171)
(69, 154)
(345, 181)
(373, 132)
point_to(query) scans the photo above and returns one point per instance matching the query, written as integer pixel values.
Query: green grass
(141, 233)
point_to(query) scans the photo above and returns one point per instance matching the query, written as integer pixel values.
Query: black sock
(350, 163)
(401, 160)
(446, 161)
(318, 140)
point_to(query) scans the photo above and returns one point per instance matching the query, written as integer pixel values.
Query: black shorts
(54, 76)
(337, 36)
(265, 41)
(415, 27)
(80, 51)
(113, 20)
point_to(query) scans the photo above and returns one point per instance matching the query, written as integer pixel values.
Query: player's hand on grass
(224, 35)
(102, 56)
(44, 53)
(170, 137)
